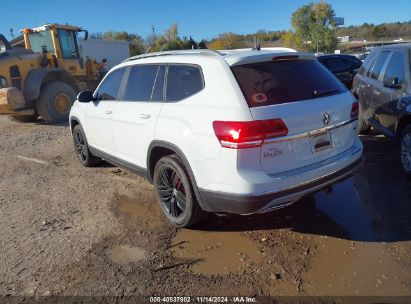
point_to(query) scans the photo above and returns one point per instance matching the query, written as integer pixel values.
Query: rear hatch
(316, 108)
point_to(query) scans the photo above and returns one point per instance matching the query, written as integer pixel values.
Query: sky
(200, 19)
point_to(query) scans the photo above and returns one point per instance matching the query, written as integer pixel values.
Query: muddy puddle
(341, 267)
(347, 206)
(216, 252)
(125, 254)
(143, 210)
(360, 264)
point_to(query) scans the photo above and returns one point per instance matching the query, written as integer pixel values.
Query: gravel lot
(69, 230)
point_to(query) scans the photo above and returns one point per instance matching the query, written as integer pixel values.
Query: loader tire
(55, 101)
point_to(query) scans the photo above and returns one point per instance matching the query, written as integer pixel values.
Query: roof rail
(206, 52)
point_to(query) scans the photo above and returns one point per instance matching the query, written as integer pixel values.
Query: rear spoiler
(237, 59)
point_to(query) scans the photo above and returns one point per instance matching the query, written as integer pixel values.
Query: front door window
(68, 44)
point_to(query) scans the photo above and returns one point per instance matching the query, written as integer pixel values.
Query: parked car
(362, 56)
(383, 88)
(343, 66)
(241, 132)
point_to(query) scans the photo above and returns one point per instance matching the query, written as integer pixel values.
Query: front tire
(175, 194)
(405, 151)
(82, 150)
(55, 101)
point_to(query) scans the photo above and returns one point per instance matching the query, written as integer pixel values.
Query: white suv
(232, 132)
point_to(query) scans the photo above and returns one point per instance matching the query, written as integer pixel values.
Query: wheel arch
(74, 121)
(158, 149)
(40, 77)
(404, 121)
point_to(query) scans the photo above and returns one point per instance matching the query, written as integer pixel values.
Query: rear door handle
(145, 116)
(108, 112)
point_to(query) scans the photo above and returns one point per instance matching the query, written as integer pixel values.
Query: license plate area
(320, 142)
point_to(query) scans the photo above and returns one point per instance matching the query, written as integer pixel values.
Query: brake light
(287, 57)
(354, 109)
(248, 134)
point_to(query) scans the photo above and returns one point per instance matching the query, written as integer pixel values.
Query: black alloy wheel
(172, 192)
(81, 147)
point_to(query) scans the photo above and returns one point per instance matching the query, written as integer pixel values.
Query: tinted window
(336, 64)
(353, 62)
(368, 63)
(108, 90)
(159, 85)
(140, 82)
(376, 70)
(183, 81)
(395, 69)
(276, 82)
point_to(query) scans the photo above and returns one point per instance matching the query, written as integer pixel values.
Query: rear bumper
(214, 201)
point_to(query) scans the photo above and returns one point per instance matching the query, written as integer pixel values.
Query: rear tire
(24, 118)
(175, 194)
(83, 153)
(55, 101)
(405, 151)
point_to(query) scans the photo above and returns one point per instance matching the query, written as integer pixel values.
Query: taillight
(354, 109)
(247, 134)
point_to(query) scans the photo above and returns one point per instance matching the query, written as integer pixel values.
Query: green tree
(379, 32)
(202, 44)
(314, 27)
(170, 40)
(136, 42)
(227, 41)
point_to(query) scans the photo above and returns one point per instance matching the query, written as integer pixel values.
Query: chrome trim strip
(332, 161)
(272, 207)
(310, 133)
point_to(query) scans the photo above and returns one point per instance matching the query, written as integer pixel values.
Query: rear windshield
(276, 82)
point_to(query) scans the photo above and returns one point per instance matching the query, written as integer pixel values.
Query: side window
(368, 63)
(108, 89)
(158, 89)
(68, 44)
(183, 81)
(379, 63)
(395, 73)
(140, 82)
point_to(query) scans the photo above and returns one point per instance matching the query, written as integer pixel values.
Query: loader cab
(59, 43)
(4, 44)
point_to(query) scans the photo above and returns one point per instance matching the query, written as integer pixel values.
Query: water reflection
(347, 212)
(345, 208)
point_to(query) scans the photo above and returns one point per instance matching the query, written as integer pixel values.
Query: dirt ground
(70, 230)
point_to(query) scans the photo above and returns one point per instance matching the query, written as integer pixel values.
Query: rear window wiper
(318, 93)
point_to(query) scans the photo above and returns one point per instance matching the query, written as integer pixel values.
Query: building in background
(113, 50)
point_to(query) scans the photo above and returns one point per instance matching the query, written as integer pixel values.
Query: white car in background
(242, 132)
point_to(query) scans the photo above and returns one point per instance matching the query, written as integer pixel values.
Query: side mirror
(85, 96)
(392, 83)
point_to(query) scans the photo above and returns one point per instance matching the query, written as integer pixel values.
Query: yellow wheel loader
(41, 74)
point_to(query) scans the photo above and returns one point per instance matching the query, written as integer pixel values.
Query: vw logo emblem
(326, 118)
